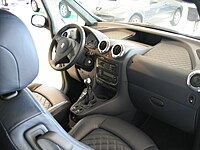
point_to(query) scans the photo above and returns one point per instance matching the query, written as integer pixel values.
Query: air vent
(117, 51)
(66, 34)
(193, 80)
(104, 46)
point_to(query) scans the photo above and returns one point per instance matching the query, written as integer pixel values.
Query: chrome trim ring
(106, 48)
(121, 53)
(197, 89)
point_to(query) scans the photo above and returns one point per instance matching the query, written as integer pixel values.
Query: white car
(139, 12)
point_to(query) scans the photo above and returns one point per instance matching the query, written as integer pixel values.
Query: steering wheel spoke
(70, 56)
(57, 38)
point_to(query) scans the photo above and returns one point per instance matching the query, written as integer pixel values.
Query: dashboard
(159, 68)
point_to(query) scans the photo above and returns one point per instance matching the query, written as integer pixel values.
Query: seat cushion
(57, 103)
(43, 100)
(102, 139)
(105, 132)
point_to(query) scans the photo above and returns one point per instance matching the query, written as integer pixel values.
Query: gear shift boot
(86, 100)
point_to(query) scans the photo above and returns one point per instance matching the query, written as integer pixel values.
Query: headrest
(18, 57)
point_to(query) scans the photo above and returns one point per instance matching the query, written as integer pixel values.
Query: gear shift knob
(88, 81)
(89, 94)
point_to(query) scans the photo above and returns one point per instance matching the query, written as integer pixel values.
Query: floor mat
(167, 137)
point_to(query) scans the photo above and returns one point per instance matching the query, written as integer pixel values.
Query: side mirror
(192, 14)
(39, 21)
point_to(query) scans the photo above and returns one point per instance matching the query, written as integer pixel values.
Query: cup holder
(104, 94)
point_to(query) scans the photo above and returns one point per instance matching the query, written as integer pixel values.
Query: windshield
(172, 15)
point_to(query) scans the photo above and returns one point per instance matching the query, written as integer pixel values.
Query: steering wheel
(67, 49)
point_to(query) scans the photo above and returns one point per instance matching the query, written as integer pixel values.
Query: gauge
(91, 41)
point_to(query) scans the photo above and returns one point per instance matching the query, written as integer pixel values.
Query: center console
(98, 90)
(107, 73)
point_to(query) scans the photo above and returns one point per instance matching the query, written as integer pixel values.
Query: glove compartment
(162, 92)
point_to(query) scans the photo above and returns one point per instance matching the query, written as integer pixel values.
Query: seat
(57, 103)
(24, 122)
(105, 132)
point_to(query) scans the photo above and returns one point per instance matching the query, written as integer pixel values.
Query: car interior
(124, 87)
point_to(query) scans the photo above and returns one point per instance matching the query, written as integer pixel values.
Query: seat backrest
(22, 118)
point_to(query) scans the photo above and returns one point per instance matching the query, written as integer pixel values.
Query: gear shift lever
(86, 100)
(89, 94)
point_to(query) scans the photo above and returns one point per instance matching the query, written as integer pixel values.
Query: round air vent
(117, 51)
(104, 46)
(66, 34)
(193, 80)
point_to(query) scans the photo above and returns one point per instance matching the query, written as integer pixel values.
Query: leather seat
(57, 103)
(24, 122)
(105, 132)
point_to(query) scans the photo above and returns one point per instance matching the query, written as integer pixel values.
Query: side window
(24, 9)
(42, 39)
(68, 15)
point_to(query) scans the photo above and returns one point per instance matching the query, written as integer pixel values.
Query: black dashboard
(155, 66)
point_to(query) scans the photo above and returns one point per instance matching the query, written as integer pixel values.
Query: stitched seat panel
(43, 100)
(100, 139)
